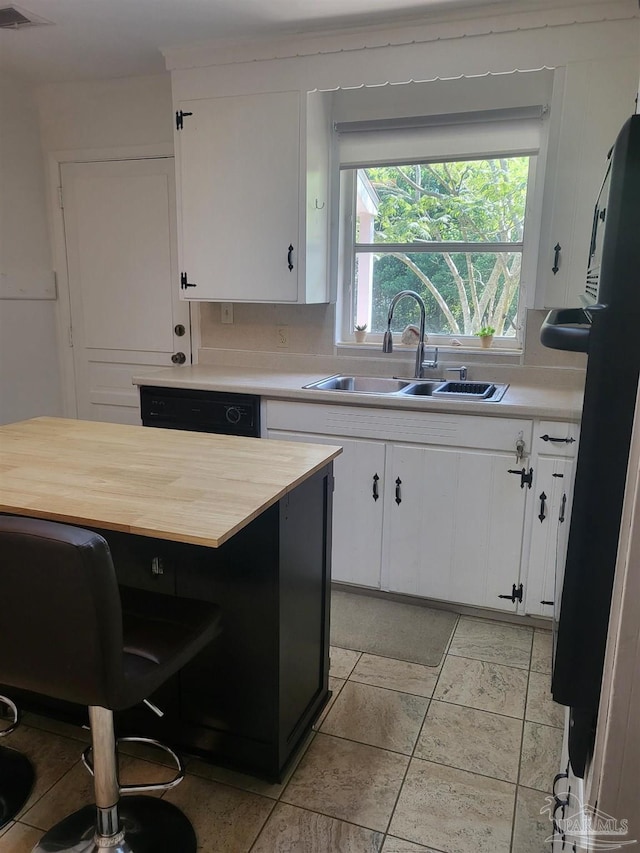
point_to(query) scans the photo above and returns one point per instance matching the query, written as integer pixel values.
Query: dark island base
(249, 700)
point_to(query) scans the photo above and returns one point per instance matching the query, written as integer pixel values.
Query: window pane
(462, 291)
(469, 201)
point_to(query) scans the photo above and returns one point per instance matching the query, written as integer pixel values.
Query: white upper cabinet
(591, 102)
(243, 210)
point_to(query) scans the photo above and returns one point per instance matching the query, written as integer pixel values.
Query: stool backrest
(60, 613)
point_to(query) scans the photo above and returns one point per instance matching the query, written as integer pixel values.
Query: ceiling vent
(15, 18)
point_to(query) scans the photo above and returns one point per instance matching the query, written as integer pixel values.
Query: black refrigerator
(607, 328)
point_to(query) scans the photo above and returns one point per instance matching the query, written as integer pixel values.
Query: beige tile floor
(406, 758)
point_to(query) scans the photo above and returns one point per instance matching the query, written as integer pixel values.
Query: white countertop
(520, 400)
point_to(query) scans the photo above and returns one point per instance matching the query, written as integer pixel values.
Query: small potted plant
(486, 334)
(360, 331)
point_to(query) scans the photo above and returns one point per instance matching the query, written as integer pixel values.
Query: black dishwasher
(200, 411)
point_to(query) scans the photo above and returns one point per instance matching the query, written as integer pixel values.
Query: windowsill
(350, 348)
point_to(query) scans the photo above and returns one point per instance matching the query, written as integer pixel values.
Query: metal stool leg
(16, 773)
(129, 825)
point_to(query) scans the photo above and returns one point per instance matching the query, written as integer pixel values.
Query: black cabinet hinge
(184, 284)
(526, 477)
(517, 593)
(179, 119)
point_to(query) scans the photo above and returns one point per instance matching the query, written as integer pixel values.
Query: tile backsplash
(255, 327)
(535, 355)
(310, 331)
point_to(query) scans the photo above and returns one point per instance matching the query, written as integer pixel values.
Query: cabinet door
(357, 507)
(597, 99)
(550, 528)
(453, 525)
(238, 179)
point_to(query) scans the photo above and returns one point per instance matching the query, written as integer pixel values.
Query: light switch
(226, 312)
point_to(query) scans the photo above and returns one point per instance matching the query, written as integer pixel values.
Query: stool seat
(160, 634)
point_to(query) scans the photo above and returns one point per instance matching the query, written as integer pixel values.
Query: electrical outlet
(226, 312)
(282, 337)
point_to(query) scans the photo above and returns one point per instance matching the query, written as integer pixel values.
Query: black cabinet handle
(543, 506)
(289, 256)
(563, 506)
(556, 258)
(398, 492)
(375, 487)
(547, 437)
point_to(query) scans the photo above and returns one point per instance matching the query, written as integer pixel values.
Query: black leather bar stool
(16, 772)
(73, 638)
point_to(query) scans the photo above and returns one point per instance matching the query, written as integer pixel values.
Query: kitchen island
(242, 522)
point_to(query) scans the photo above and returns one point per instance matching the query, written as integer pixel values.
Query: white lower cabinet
(550, 526)
(453, 525)
(554, 451)
(437, 511)
(357, 507)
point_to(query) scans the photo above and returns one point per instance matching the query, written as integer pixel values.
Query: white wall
(29, 374)
(126, 112)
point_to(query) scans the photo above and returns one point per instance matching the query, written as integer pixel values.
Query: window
(453, 231)
(445, 204)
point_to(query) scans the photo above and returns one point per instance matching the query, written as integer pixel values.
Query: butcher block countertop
(175, 485)
(522, 399)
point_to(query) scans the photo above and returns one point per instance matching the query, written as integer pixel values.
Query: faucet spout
(387, 341)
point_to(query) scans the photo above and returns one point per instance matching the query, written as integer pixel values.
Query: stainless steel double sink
(455, 390)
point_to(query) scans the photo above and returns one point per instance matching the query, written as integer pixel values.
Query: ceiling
(92, 39)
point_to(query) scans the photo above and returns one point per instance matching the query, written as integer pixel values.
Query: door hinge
(526, 477)
(180, 116)
(517, 593)
(60, 201)
(184, 284)
(70, 336)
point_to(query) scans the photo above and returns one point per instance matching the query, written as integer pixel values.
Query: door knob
(178, 358)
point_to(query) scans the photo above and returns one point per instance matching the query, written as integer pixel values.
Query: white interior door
(120, 233)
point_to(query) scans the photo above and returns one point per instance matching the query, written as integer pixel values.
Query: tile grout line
(431, 699)
(524, 719)
(261, 830)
